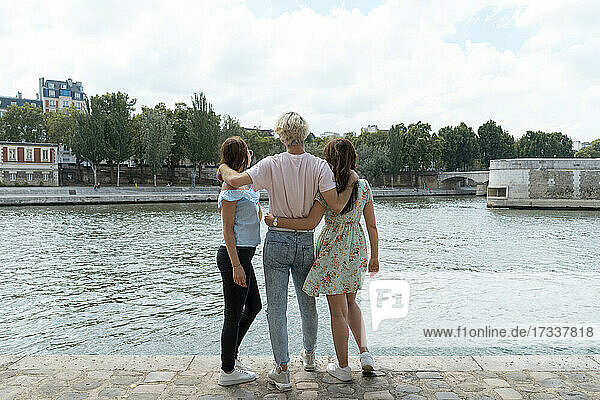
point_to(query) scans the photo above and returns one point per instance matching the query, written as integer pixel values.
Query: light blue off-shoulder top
(246, 225)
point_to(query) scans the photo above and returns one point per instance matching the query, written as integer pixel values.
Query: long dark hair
(234, 153)
(341, 156)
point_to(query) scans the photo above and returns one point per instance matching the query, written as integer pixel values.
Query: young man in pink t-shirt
(292, 180)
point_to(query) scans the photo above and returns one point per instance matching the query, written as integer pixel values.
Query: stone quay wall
(508, 377)
(560, 183)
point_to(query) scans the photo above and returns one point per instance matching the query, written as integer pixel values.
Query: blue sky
(527, 64)
(271, 8)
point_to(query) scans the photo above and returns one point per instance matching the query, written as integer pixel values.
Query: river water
(142, 279)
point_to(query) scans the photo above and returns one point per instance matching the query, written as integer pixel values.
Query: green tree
(117, 110)
(396, 142)
(203, 134)
(592, 151)
(177, 153)
(88, 142)
(157, 137)
(494, 143)
(460, 148)
(23, 124)
(542, 144)
(61, 126)
(373, 162)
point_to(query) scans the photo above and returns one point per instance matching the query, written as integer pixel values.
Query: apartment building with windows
(5, 102)
(34, 164)
(57, 95)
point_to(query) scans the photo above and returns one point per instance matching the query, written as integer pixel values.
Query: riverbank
(533, 377)
(70, 195)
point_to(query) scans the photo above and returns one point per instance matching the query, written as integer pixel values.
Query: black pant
(241, 304)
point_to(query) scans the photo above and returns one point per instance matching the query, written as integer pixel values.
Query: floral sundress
(341, 252)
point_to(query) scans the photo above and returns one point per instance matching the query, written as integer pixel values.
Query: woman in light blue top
(241, 214)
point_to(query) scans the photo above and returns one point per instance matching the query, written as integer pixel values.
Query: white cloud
(342, 70)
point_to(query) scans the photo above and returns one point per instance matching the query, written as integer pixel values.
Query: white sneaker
(343, 374)
(236, 377)
(308, 360)
(366, 362)
(281, 379)
(241, 365)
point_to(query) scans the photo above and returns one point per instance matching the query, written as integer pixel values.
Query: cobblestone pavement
(66, 377)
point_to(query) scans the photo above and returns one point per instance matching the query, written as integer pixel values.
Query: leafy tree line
(110, 132)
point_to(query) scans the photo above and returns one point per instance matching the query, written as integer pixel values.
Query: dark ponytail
(341, 156)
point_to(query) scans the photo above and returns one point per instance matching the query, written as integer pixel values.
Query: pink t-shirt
(292, 181)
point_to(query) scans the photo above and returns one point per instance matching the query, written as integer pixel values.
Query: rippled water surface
(142, 279)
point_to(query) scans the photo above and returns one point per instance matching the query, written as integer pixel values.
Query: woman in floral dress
(341, 256)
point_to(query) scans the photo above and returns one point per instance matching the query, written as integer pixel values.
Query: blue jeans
(286, 252)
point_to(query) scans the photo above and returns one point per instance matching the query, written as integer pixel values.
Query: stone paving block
(275, 396)
(577, 376)
(340, 389)
(25, 380)
(51, 388)
(307, 385)
(413, 396)
(125, 380)
(10, 393)
(479, 397)
(543, 396)
(540, 376)
(573, 395)
(159, 376)
(111, 392)
(87, 385)
(437, 384)
(243, 394)
(9, 373)
(427, 363)
(143, 396)
(73, 396)
(182, 391)
(373, 382)
(553, 383)
(508, 394)
(407, 388)
(590, 387)
(102, 374)
(518, 376)
(211, 397)
(187, 380)
(496, 382)
(429, 375)
(379, 395)
(446, 396)
(157, 388)
(537, 363)
(471, 387)
(111, 362)
(308, 395)
(67, 375)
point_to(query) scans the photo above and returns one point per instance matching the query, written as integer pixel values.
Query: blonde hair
(292, 128)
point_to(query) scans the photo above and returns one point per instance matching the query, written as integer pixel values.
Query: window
(29, 155)
(51, 93)
(13, 176)
(1, 112)
(12, 154)
(50, 85)
(65, 104)
(497, 192)
(52, 103)
(78, 95)
(45, 154)
(65, 93)
(63, 85)
(78, 105)
(13, 103)
(45, 176)
(29, 177)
